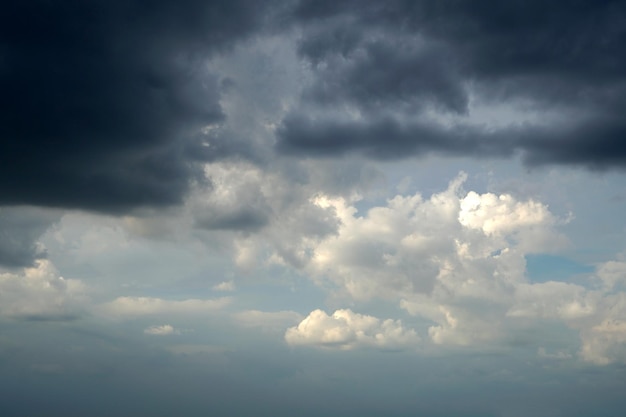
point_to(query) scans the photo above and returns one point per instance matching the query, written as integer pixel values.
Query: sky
(310, 207)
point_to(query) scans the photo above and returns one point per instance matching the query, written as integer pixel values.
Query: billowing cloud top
(345, 329)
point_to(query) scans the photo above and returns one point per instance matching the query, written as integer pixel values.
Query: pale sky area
(313, 208)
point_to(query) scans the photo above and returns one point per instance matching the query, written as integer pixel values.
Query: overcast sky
(306, 207)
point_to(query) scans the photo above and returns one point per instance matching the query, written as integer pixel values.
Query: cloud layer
(112, 107)
(414, 78)
(104, 103)
(20, 229)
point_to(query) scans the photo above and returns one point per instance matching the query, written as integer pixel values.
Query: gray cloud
(244, 218)
(103, 104)
(413, 59)
(495, 38)
(385, 138)
(20, 228)
(596, 144)
(377, 72)
(103, 100)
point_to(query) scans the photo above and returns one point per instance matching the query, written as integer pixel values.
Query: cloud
(39, 293)
(559, 355)
(225, 286)
(302, 134)
(556, 300)
(142, 306)
(604, 336)
(398, 71)
(457, 262)
(288, 222)
(414, 245)
(137, 98)
(20, 229)
(612, 274)
(500, 214)
(163, 330)
(267, 320)
(345, 329)
(105, 102)
(236, 201)
(396, 79)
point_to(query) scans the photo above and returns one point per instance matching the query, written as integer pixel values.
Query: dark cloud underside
(403, 59)
(20, 227)
(101, 100)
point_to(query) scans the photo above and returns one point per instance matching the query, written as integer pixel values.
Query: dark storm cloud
(410, 57)
(384, 138)
(598, 144)
(224, 144)
(102, 100)
(389, 71)
(494, 38)
(242, 219)
(20, 228)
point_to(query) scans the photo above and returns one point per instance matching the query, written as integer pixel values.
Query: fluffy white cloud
(39, 293)
(458, 260)
(345, 329)
(141, 306)
(470, 246)
(412, 243)
(163, 330)
(502, 216)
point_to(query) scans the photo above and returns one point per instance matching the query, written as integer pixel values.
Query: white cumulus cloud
(473, 244)
(345, 329)
(458, 260)
(39, 293)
